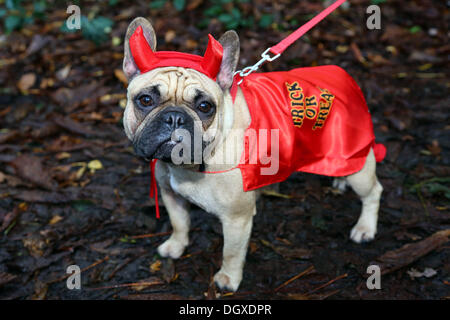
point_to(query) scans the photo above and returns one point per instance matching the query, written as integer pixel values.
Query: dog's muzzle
(155, 141)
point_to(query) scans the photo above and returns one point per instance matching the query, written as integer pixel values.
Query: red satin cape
(323, 120)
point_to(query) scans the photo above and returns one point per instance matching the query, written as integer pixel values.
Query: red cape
(323, 121)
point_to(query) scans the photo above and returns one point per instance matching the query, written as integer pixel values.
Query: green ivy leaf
(12, 22)
(96, 29)
(213, 11)
(266, 20)
(179, 4)
(415, 29)
(225, 18)
(158, 4)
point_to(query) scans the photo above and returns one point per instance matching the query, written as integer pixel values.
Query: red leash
(294, 36)
(276, 50)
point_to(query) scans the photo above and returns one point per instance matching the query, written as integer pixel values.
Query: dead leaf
(55, 219)
(169, 36)
(145, 283)
(10, 217)
(168, 270)
(434, 148)
(357, 53)
(71, 98)
(26, 82)
(155, 266)
(37, 43)
(120, 75)
(76, 127)
(193, 4)
(35, 245)
(273, 193)
(288, 253)
(94, 165)
(427, 273)
(6, 277)
(31, 168)
(63, 73)
(40, 290)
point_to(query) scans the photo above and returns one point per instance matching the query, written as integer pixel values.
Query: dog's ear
(230, 43)
(129, 67)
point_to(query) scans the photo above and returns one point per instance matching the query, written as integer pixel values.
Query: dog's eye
(146, 101)
(204, 106)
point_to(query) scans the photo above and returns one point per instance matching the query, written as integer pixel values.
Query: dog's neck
(236, 119)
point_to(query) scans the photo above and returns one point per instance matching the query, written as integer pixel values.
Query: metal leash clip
(247, 70)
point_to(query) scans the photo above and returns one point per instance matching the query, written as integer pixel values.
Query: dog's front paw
(363, 232)
(172, 248)
(228, 282)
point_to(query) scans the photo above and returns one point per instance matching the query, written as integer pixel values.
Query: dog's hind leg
(177, 207)
(369, 189)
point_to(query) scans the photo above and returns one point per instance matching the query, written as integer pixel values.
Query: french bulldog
(168, 98)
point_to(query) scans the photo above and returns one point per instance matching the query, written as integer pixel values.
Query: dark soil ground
(73, 192)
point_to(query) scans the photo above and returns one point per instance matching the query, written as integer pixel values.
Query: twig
(125, 285)
(328, 283)
(308, 270)
(151, 235)
(119, 267)
(82, 270)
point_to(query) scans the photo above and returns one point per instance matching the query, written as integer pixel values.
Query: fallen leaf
(120, 75)
(63, 155)
(273, 193)
(40, 290)
(145, 283)
(55, 219)
(169, 36)
(288, 253)
(35, 245)
(94, 165)
(37, 43)
(31, 168)
(6, 277)
(155, 266)
(63, 73)
(427, 273)
(26, 82)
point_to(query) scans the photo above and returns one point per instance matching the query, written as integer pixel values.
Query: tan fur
(222, 194)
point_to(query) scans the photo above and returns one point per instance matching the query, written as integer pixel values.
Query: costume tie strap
(153, 186)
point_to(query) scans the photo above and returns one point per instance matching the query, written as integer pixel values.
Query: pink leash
(294, 36)
(276, 50)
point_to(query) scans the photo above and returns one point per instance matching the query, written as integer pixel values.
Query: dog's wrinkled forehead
(176, 86)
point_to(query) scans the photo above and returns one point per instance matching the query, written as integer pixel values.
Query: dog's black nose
(174, 119)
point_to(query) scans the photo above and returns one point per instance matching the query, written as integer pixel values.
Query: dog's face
(172, 106)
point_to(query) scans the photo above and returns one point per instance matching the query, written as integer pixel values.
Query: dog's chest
(214, 193)
(194, 187)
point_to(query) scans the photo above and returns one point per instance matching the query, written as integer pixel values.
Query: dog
(188, 96)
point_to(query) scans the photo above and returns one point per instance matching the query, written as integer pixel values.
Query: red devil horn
(212, 57)
(141, 51)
